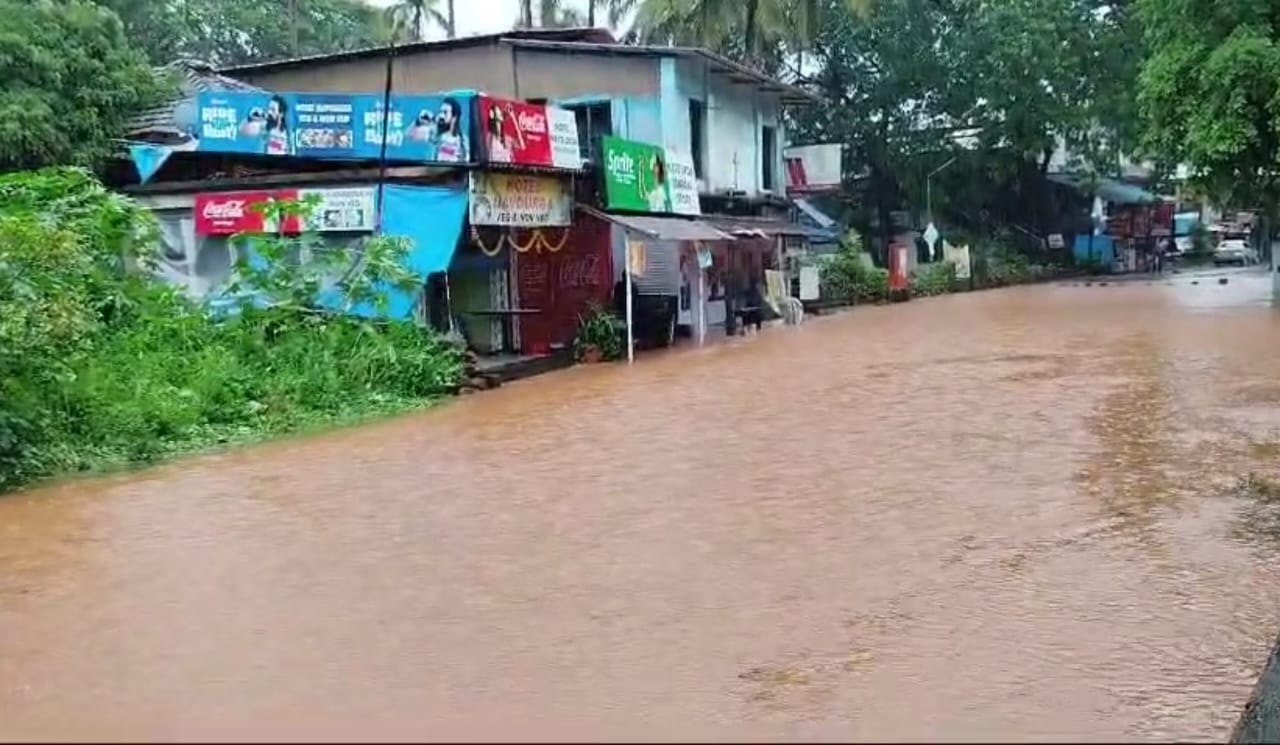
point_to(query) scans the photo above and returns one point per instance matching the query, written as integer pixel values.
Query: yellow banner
(520, 200)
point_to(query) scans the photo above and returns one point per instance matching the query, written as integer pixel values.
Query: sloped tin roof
(194, 77)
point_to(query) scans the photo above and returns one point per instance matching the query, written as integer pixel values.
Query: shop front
(205, 235)
(650, 196)
(530, 268)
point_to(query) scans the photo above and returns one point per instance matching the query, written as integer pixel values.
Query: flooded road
(1000, 516)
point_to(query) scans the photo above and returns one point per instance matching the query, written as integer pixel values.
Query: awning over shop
(662, 228)
(761, 227)
(1110, 190)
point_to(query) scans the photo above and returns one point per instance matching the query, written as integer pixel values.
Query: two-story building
(724, 117)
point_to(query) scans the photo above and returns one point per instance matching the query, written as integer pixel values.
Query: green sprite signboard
(639, 177)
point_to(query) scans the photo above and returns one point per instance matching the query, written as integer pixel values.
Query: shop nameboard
(333, 210)
(639, 177)
(516, 199)
(419, 128)
(528, 134)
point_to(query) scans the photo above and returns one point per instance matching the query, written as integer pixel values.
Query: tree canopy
(229, 32)
(72, 81)
(1209, 93)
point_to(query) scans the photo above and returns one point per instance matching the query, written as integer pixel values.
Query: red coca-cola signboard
(528, 134)
(231, 212)
(515, 132)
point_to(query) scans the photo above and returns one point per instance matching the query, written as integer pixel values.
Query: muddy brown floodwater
(1002, 516)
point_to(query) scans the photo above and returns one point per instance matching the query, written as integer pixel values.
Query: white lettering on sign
(622, 163)
(529, 122)
(232, 209)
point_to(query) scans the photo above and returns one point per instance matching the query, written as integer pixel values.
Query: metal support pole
(631, 343)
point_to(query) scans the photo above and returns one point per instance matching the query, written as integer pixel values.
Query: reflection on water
(1004, 515)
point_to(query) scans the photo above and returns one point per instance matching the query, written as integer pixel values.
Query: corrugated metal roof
(193, 77)
(662, 228)
(760, 227)
(584, 33)
(1110, 190)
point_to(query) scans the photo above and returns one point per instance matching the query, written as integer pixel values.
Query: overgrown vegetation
(100, 366)
(850, 276)
(600, 336)
(72, 79)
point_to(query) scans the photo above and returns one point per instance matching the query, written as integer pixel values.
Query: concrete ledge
(1260, 720)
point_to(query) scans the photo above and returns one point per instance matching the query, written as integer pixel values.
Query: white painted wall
(735, 115)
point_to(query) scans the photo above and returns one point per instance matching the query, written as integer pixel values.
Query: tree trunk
(591, 13)
(749, 32)
(417, 22)
(453, 21)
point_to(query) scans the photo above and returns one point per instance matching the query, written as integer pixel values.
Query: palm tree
(551, 14)
(710, 22)
(408, 17)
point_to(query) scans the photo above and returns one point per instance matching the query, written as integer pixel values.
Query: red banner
(231, 212)
(515, 132)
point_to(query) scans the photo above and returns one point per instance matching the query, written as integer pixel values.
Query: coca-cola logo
(580, 272)
(231, 209)
(531, 122)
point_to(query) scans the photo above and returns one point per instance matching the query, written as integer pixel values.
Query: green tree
(72, 81)
(228, 32)
(1209, 93)
(988, 86)
(414, 15)
(548, 14)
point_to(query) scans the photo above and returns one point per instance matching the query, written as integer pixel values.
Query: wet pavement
(1003, 515)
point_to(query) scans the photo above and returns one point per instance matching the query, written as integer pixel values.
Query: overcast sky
(489, 16)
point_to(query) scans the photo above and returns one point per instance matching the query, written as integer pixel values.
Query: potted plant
(598, 338)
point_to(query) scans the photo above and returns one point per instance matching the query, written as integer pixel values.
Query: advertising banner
(232, 212)
(516, 199)
(565, 147)
(528, 134)
(813, 168)
(341, 210)
(420, 128)
(642, 178)
(227, 213)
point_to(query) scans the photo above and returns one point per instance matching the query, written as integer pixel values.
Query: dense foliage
(71, 81)
(101, 366)
(1210, 95)
(230, 32)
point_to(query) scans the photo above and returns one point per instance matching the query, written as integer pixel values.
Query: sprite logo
(621, 164)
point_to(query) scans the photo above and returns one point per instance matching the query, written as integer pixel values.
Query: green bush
(599, 329)
(849, 276)
(100, 366)
(937, 278)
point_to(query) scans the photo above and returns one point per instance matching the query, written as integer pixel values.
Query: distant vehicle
(1183, 244)
(1235, 251)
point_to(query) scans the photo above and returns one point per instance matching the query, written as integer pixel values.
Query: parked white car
(1235, 251)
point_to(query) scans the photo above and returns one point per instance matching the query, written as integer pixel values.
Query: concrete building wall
(556, 74)
(735, 115)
